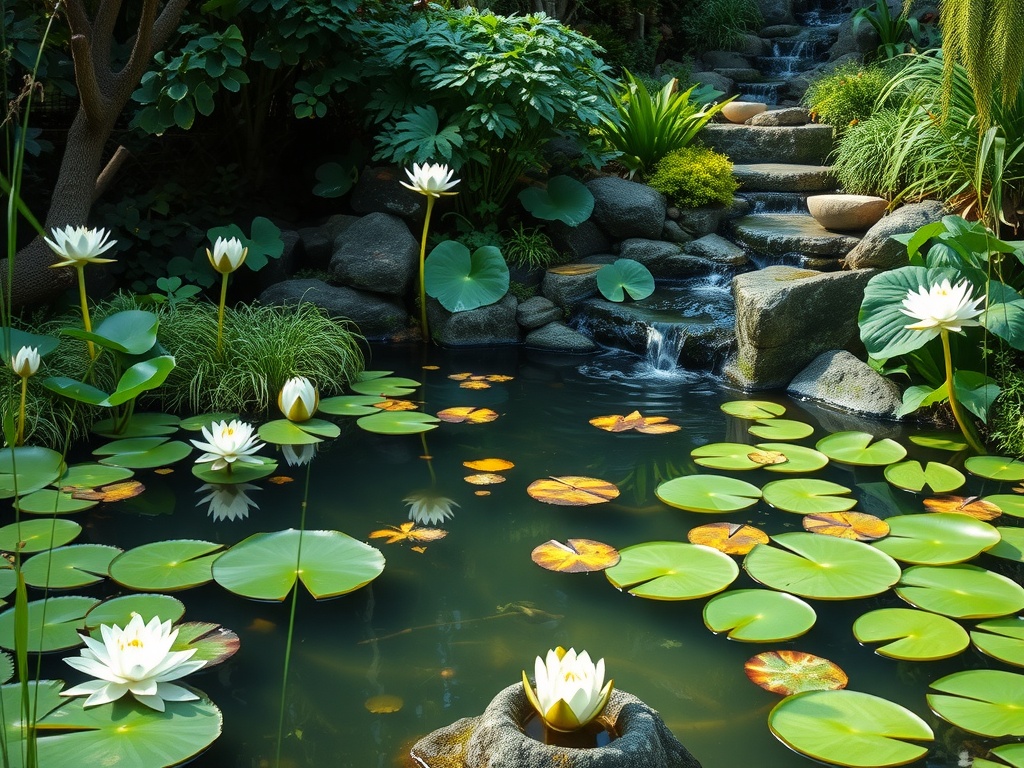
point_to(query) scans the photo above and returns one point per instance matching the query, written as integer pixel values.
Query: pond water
(445, 629)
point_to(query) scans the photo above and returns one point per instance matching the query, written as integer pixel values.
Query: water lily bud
(228, 255)
(26, 362)
(298, 399)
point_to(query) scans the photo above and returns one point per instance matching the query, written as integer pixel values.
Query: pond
(442, 630)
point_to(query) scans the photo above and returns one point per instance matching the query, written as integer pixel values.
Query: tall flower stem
(21, 412)
(220, 315)
(423, 259)
(80, 268)
(958, 415)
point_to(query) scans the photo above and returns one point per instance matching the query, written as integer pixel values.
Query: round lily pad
(196, 423)
(980, 509)
(143, 452)
(941, 441)
(961, 591)
(790, 672)
(1001, 639)
(858, 526)
(996, 468)
(708, 493)
(727, 456)
(53, 623)
(937, 539)
(799, 458)
(988, 702)
(1010, 545)
(576, 556)
(822, 567)
(119, 610)
(1011, 754)
(781, 429)
(166, 565)
(140, 425)
(935, 477)
(730, 538)
(758, 615)
(1010, 504)
(92, 476)
(284, 432)
(350, 405)
(861, 449)
(806, 496)
(77, 565)
(239, 473)
(37, 468)
(398, 422)
(388, 386)
(671, 570)
(572, 491)
(849, 728)
(753, 409)
(915, 635)
(48, 501)
(37, 535)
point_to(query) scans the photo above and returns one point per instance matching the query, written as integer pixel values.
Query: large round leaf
(27, 469)
(671, 570)
(996, 468)
(858, 526)
(266, 565)
(239, 472)
(857, 448)
(140, 425)
(572, 491)
(625, 276)
(1001, 639)
(1012, 754)
(798, 458)
(53, 623)
(143, 452)
(461, 281)
(350, 405)
(1009, 503)
(92, 476)
(725, 456)
(961, 591)
(914, 635)
(48, 501)
(822, 567)
(708, 493)
(166, 565)
(790, 672)
(119, 610)
(730, 538)
(937, 539)
(285, 432)
(808, 496)
(564, 199)
(755, 410)
(383, 384)
(36, 535)
(576, 556)
(849, 728)
(44, 345)
(398, 422)
(780, 429)
(77, 565)
(988, 702)
(936, 477)
(1010, 545)
(883, 326)
(758, 615)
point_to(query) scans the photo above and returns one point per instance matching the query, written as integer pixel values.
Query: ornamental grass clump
(694, 176)
(849, 94)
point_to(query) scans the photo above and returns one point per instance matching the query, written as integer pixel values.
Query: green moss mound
(694, 176)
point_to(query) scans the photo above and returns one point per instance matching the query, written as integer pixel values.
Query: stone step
(784, 177)
(779, 234)
(747, 144)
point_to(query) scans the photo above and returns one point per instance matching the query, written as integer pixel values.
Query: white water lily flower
(298, 455)
(228, 255)
(942, 308)
(228, 443)
(26, 362)
(569, 689)
(428, 508)
(430, 180)
(298, 399)
(228, 501)
(80, 246)
(138, 660)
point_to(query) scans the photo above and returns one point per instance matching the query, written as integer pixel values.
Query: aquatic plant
(24, 364)
(227, 443)
(570, 689)
(227, 256)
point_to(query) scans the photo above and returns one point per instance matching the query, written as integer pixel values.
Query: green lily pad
(708, 493)
(755, 410)
(18, 338)
(1010, 545)
(92, 476)
(936, 477)
(143, 452)
(1010, 503)
(213, 643)
(8, 579)
(36, 468)
(758, 615)
(350, 405)
(937, 539)
(284, 432)
(265, 566)
(988, 702)
(727, 456)
(37, 535)
(781, 429)
(808, 496)
(1001, 639)
(961, 591)
(798, 458)
(858, 449)
(461, 280)
(849, 728)
(563, 199)
(941, 441)
(240, 473)
(625, 277)
(671, 570)
(398, 422)
(53, 624)
(140, 425)
(916, 635)
(48, 501)
(196, 423)
(996, 468)
(388, 386)
(119, 610)
(77, 565)
(166, 565)
(1011, 754)
(822, 567)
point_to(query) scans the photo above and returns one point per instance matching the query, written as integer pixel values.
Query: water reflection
(298, 455)
(228, 501)
(428, 507)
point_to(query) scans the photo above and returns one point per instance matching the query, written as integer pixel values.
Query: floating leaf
(77, 565)
(961, 591)
(725, 456)
(213, 643)
(487, 478)
(799, 458)
(143, 452)
(467, 415)
(280, 480)
(916, 635)
(37, 535)
(708, 493)
(1010, 545)
(489, 465)
(576, 556)
(808, 496)
(396, 405)
(398, 422)
(649, 425)
(936, 477)
(670, 570)
(996, 468)
(1008, 503)
(383, 386)
(285, 432)
(128, 489)
(239, 472)
(119, 610)
(384, 704)
(166, 565)
(50, 502)
(92, 476)
(405, 532)
(847, 525)
(937, 539)
(755, 410)
(780, 429)
(140, 425)
(1012, 754)
(53, 624)
(37, 468)
(988, 702)
(499, 377)
(1001, 639)
(730, 538)
(350, 405)
(474, 385)
(625, 276)
(758, 615)
(941, 441)
(767, 458)
(849, 728)
(575, 270)
(572, 491)
(790, 672)
(979, 509)
(858, 448)
(196, 423)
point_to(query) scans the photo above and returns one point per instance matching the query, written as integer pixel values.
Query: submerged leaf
(384, 704)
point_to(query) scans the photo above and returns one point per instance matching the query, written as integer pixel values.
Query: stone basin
(847, 213)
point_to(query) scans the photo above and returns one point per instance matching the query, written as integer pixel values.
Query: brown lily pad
(575, 556)
(974, 506)
(858, 526)
(572, 491)
(731, 538)
(648, 425)
(789, 672)
(484, 478)
(467, 415)
(129, 489)
(408, 532)
(489, 465)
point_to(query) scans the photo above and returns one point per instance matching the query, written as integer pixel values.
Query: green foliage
(529, 248)
(649, 126)
(563, 199)
(717, 25)
(522, 291)
(1007, 423)
(866, 156)
(625, 277)
(896, 34)
(694, 176)
(848, 94)
(461, 280)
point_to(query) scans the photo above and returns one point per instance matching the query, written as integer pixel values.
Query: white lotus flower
(430, 180)
(80, 246)
(138, 660)
(228, 501)
(228, 255)
(26, 362)
(942, 308)
(428, 508)
(298, 455)
(228, 443)
(569, 693)
(298, 399)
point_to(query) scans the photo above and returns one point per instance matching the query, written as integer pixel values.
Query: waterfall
(664, 344)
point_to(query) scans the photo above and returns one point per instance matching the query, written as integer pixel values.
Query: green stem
(85, 306)
(423, 258)
(965, 426)
(21, 412)
(220, 315)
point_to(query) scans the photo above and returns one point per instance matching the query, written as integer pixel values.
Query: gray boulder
(568, 290)
(751, 45)
(781, 117)
(704, 220)
(717, 249)
(580, 241)
(536, 312)
(318, 242)
(878, 250)
(379, 318)
(650, 253)
(781, 30)
(284, 265)
(492, 325)
(379, 190)
(558, 337)
(673, 233)
(776, 11)
(727, 59)
(715, 80)
(626, 208)
(841, 380)
(801, 144)
(376, 253)
(860, 41)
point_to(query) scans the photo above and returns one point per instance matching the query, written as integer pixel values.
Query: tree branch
(167, 23)
(110, 171)
(141, 53)
(103, 29)
(77, 18)
(89, 92)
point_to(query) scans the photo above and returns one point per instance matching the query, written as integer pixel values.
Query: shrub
(1008, 416)
(866, 160)
(847, 95)
(530, 248)
(694, 176)
(718, 24)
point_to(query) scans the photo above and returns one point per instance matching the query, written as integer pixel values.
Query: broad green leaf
(44, 345)
(143, 452)
(861, 449)
(30, 536)
(1004, 314)
(758, 615)
(1010, 545)
(51, 502)
(996, 468)
(27, 469)
(53, 623)
(988, 702)
(937, 539)
(1012, 754)
(398, 422)
(625, 276)
(755, 410)
(726, 456)
(914, 635)
(131, 332)
(140, 425)
(141, 377)
(239, 473)
(166, 565)
(92, 476)
(76, 390)
(960, 591)
(976, 392)
(781, 429)
(284, 432)
(76, 565)
(798, 458)
(1001, 639)
(708, 493)
(807, 496)
(671, 570)
(564, 199)
(196, 423)
(883, 327)
(385, 386)
(936, 477)
(941, 441)
(264, 244)
(350, 405)
(1011, 504)
(265, 566)
(119, 610)
(462, 281)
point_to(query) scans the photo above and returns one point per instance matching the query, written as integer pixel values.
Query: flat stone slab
(803, 144)
(784, 177)
(780, 117)
(780, 233)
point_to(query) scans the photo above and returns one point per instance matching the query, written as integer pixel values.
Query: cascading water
(664, 344)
